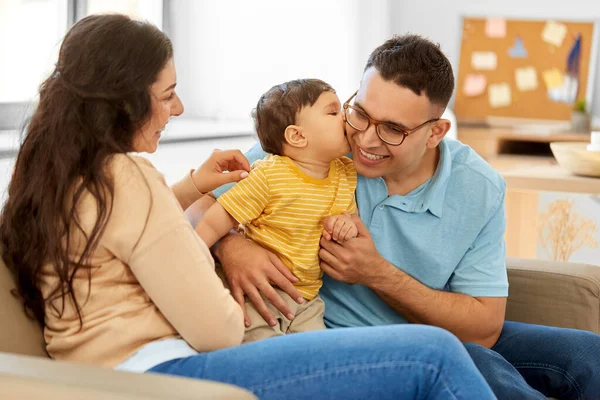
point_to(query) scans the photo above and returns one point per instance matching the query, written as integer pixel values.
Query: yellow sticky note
(484, 60)
(495, 27)
(499, 95)
(526, 79)
(554, 33)
(474, 85)
(553, 78)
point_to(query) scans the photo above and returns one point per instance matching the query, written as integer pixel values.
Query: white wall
(228, 52)
(440, 20)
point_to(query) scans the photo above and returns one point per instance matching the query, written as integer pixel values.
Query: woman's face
(165, 104)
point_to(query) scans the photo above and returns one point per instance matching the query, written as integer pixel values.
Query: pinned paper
(526, 79)
(499, 95)
(495, 27)
(484, 60)
(553, 78)
(474, 85)
(518, 50)
(554, 33)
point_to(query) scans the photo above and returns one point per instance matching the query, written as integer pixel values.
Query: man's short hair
(278, 108)
(416, 63)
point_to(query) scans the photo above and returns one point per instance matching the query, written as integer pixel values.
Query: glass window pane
(30, 35)
(149, 10)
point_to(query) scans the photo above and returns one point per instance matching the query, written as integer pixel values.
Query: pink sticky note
(495, 27)
(474, 85)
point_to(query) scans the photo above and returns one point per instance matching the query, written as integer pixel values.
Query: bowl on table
(575, 158)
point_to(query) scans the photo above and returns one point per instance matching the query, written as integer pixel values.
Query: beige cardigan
(152, 277)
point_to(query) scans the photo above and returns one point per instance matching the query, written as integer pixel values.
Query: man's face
(387, 102)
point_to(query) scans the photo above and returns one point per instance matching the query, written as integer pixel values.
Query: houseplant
(580, 119)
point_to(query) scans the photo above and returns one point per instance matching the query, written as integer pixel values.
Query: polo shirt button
(381, 207)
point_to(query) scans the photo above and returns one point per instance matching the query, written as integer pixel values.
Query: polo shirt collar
(429, 196)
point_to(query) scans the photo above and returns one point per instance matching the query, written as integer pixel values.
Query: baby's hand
(339, 227)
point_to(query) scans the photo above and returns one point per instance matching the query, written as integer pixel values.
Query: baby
(282, 203)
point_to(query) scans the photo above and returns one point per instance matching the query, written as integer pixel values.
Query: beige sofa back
(562, 294)
(18, 333)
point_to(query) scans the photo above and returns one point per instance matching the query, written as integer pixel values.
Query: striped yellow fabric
(282, 209)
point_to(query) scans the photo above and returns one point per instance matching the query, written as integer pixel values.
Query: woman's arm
(221, 168)
(170, 262)
(176, 271)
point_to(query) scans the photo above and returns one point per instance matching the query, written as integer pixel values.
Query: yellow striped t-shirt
(282, 209)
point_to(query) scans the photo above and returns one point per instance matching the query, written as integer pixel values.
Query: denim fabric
(389, 362)
(535, 362)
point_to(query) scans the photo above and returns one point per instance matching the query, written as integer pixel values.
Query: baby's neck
(312, 167)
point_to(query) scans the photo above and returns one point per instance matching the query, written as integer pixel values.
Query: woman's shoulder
(128, 169)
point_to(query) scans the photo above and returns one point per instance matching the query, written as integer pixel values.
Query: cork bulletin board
(524, 68)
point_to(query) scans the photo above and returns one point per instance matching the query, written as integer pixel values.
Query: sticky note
(484, 60)
(518, 50)
(553, 78)
(495, 27)
(554, 33)
(474, 85)
(499, 95)
(526, 79)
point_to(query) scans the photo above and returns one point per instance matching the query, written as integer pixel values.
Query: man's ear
(294, 137)
(438, 131)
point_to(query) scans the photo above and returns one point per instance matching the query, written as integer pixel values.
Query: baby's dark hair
(279, 106)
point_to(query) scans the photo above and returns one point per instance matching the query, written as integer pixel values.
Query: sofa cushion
(554, 293)
(18, 333)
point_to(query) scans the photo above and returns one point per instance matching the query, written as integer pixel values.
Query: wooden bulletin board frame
(533, 105)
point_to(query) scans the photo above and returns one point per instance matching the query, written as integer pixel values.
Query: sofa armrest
(554, 293)
(26, 377)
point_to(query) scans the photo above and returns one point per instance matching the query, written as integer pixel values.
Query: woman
(106, 260)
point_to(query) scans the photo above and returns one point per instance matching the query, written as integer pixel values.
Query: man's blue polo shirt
(448, 234)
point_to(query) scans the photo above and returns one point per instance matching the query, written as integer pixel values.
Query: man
(430, 247)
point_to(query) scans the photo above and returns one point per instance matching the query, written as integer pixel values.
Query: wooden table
(552, 178)
(490, 143)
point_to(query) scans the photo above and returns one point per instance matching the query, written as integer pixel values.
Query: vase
(580, 121)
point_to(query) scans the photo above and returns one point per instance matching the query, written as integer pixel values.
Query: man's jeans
(535, 362)
(387, 362)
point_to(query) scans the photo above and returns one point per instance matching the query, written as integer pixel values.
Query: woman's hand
(222, 167)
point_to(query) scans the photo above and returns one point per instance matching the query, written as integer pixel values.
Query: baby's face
(325, 127)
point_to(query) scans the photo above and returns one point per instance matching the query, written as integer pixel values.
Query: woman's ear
(294, 137)
(438, 131)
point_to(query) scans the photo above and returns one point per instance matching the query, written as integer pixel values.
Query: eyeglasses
(388, 133)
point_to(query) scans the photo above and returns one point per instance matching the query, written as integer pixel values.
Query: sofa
(541, 292)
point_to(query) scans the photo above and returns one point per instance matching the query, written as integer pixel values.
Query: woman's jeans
(534, 362)
(388, 362)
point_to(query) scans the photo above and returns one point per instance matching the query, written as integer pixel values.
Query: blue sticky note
(518, 50)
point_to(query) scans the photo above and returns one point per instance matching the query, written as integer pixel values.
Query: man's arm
(471, 319)
(477, 319)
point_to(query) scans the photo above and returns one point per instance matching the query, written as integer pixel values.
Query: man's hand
(339, 228)
(347, 262)
(251, 270)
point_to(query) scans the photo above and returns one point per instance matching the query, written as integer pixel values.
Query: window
(150, 10)
(30, 36)
(39, 26)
